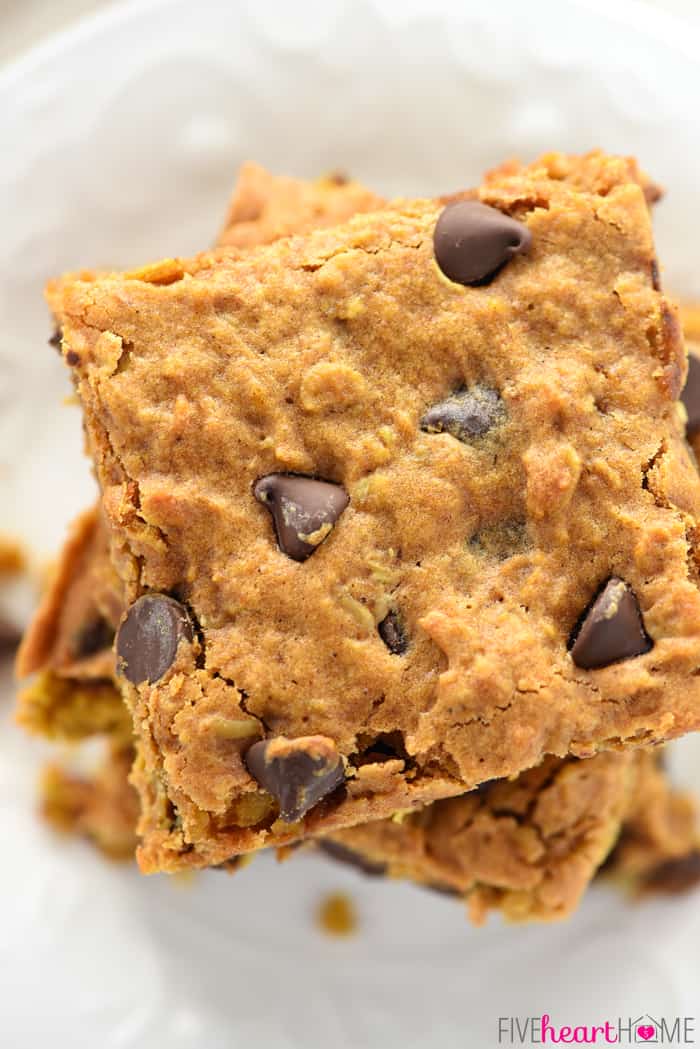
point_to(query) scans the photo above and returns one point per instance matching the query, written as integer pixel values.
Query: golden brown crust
(595, 171)
(265, 207)
(529, 847)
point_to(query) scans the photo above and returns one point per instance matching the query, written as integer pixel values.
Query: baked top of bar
(265, 207)
(427, 640)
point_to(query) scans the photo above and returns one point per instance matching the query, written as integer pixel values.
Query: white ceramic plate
(119, 143)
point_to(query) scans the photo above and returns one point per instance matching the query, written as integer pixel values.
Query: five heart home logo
(631, 1030)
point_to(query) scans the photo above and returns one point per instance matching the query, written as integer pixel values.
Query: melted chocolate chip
(612, 629)
(691, 395)
(148, 637)
(655, 275)
(297, 772)
(473, 241)
(467, 414)
(56, 339)
(93, 637)
(393, 633)
(304, 510)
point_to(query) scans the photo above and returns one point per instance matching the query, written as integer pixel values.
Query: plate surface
(120, 144)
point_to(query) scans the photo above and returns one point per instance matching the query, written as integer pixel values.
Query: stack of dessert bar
(396, 550)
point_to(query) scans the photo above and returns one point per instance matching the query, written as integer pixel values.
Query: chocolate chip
(467, 414)
(297, 772)
(393, 634)
(72, 358)
(473, 241)
(655, 275)
(148, 637)
(303, 510)
(675, 876)
(93, 637)
(343, 854)
(691, 395)
(56, 339)
(612, 629)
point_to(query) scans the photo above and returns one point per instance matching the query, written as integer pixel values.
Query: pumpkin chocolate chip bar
(528, 847)
(493, 552)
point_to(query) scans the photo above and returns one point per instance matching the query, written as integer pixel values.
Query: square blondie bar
(527, 847)
(488, 471)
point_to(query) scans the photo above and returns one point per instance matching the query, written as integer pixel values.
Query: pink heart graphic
(646, 1031)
